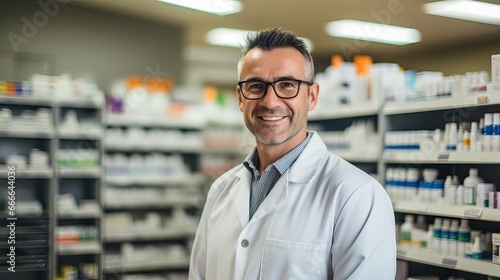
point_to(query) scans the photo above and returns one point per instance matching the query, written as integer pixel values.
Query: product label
(473, 212)
(405, 237)
(464, 236)
(449, 262)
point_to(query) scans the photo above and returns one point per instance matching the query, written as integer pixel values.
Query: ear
(313, 96)
(240, 98)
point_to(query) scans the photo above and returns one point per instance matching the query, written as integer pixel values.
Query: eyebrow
(278, 79)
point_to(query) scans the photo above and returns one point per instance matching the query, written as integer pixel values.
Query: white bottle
(470, 185)
(453, 239)
(460, 195)
(447, 186)
(405, 231)
(411, 186)
(495, 134)
(474, 136)
(476, 248)
(488, 131)
(436, 235)
(463, 237)
(445, 235)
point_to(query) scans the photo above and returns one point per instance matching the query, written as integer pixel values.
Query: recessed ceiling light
(374, 32)
(216, 7)
(466, 10)
(229, 37)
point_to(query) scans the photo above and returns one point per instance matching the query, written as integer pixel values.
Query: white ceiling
(308, 18)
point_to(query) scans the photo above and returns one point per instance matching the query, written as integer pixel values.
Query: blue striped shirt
(263, 184)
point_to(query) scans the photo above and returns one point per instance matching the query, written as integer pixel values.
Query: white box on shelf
(495, 68)
(496, 248)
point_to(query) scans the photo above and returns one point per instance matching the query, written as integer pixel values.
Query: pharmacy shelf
(42, 215)
(28, 173)
(346, 111)
(147, 265)
(453, 211)
(81, 173)
(151, 203)
(125, 147)
(84, 134)
(349, 156)
(158, 181)
(130, 234)
(83, 248)
(226, 152)
(155, 121)
(395, 108)
(484, 267)
(417, 156)
(80, 102)
(26, 100)
(79, 214)
(28, 132)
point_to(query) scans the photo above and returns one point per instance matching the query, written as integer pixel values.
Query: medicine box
(496, 248)
(495, 69)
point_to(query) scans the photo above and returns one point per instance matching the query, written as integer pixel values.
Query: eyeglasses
(284, 88)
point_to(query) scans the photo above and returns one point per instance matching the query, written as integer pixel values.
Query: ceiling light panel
(216, 7)
(466, 10)
(374, 32)
(229, 37)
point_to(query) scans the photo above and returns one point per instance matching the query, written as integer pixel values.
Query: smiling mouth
(271, 118)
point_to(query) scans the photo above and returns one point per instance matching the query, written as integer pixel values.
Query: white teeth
(272, 118)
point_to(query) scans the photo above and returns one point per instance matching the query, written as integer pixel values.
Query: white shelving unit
(342, 116)
(429, 115)
(34, 229)
(482, 267)
(138, 194)
(80, 177)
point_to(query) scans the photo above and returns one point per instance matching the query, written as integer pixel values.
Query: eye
(287, 84)
(254, 86)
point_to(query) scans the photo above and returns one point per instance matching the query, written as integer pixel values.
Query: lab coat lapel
(240, 195)
(275, 197)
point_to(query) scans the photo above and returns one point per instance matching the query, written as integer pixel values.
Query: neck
(269, 153)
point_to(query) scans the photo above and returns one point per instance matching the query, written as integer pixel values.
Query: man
(291, 210)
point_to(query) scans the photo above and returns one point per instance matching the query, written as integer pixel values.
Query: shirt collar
(282, 164)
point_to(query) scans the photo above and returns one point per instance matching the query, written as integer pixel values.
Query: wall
(55, 39)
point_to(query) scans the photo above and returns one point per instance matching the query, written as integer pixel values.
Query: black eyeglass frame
(274, 88)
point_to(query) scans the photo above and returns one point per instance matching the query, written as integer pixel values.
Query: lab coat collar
(301, 172)
(306, 165)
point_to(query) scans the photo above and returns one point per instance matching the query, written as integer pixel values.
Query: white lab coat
(324, 219)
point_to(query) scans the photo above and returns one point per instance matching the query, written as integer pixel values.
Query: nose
(270, 97)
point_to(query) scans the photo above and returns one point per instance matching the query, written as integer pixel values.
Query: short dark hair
(273, 38)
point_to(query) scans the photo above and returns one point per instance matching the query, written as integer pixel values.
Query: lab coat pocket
(283, 259)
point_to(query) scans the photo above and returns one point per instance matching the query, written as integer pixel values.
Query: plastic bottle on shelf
(463, 237)
(406, 229)
(436, 235)
(445, 235)
(412, 175)
(495, 135)
(476, 249)
(474, 137)
(452, 137)
(470, 185)
(488, 131)
(460, 195)
(447, 188)
(453, 238)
